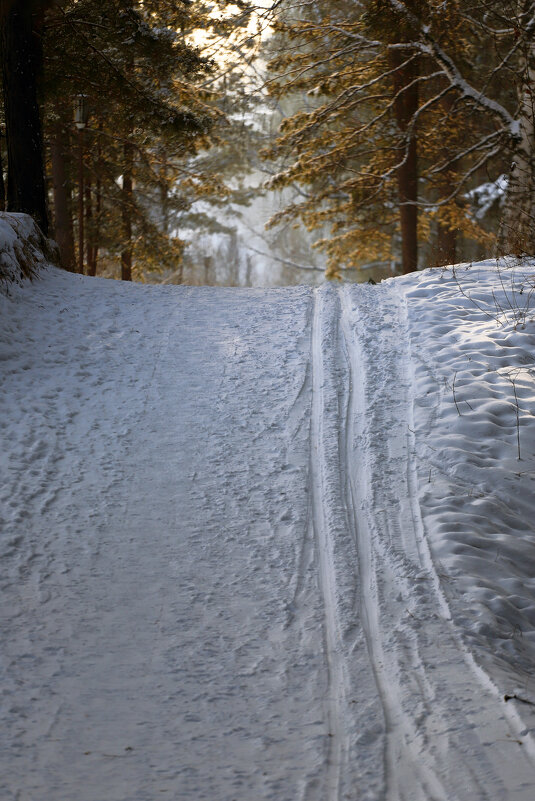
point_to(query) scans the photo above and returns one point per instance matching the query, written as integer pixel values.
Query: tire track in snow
(322, 536)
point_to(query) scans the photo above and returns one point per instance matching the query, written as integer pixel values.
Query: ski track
(218, 583)
(441, 743)
(322, 536)
(400, 753)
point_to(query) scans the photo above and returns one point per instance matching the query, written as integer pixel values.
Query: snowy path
(216, 581)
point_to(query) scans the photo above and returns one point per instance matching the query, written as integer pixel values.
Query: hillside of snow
(267, 544)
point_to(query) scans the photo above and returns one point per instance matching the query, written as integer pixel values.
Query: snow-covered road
(217, 580)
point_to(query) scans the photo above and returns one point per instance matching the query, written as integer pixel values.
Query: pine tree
(413, 110)
(137, 73)
(153, 107)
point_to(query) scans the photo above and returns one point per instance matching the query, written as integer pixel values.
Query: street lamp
(81, 116)
(81, 112)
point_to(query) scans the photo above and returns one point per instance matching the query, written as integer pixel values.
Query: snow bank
(23, 248)
(472, 331)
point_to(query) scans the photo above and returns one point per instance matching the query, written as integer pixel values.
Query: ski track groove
(397, 746)
(327, 578)
(412, 714)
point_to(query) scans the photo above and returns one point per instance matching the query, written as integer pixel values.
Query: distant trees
(411, 106)
(152, 103)
(413, 103)
(138, 77)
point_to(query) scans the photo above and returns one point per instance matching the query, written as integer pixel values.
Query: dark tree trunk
(446, 236)
(81, 221)
(126, 255)
(61, 171)
(21, 66)
(517, 226)
(2, 185)
(208, 271)
(90, 246)
(164, 193)
(405, 106)
(446, 246)
(98, 205)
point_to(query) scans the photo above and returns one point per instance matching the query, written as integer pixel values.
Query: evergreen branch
(466, 152)
(428, 45)
(186, 118)
(463, 180)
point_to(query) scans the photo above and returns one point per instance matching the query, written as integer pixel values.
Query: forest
(361, 137)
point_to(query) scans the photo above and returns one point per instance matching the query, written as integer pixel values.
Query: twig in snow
(516, 697)
(505, 740)
(454, 396)
(517, 413)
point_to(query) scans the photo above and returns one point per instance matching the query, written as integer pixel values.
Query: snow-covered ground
(268, 544)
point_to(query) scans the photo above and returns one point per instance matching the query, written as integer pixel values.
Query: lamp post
(81, 116)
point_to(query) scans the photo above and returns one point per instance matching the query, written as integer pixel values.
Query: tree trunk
(127, 198)
(446, 246)
(208, 279)
(94, 262)
(446, 239)
(21, 66)
(89, 226)
(164, 193)
(98, 203)
(2, 185)
(517, 228)
(81, 221)
(405, 106)
(61, 170)
(126, 255)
